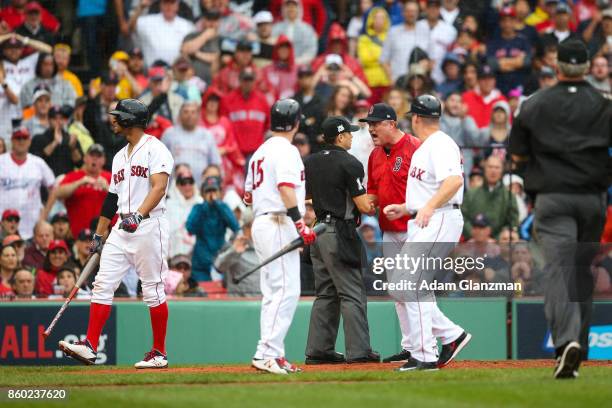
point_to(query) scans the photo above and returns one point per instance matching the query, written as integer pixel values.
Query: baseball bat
(296, 243)
(90, 265)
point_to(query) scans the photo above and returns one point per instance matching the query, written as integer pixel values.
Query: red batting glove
(307, 234)
(247, 199)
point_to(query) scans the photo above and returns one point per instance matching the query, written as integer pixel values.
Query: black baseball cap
(109, 79)
(211, 183)
(247, 74)
(305, 70)
(84, 235)
(485, 71)
(572, 52)
(480, 221)
(211, 14)
(244, 45)
(379, 112)
(61, 216)
(96, 148)
(336, 125)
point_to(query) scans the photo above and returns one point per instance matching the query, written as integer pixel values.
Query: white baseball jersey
(130, 180)
(20, 188)
(275, 163)
(437, 158)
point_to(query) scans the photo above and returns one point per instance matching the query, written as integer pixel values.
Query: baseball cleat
(268, 364)
(371, 357)
(415, 365)
(335, 358)
(287, 366)
(450, 350)
(152, 359)
(400, 357)
(568, 362)
(80, 351)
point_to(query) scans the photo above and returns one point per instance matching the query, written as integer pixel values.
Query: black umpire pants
(569, 227)
(340, 291)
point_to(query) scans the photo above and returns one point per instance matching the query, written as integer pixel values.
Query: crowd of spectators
(209, 71)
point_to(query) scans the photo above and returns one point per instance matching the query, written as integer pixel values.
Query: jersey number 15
(257, 173)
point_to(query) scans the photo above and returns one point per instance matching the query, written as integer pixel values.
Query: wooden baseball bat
(90, 265)
(296, 243)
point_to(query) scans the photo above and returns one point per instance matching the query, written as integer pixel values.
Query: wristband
(294, 213)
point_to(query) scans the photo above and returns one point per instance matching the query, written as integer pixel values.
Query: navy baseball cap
(379, 112)
(573, 52)
(211, 183)
(485, 71)
(480, 221)
(336, 125)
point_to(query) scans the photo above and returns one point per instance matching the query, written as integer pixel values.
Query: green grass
(373, 389)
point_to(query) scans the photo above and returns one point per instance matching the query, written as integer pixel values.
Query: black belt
(123, 216)
(456, 206)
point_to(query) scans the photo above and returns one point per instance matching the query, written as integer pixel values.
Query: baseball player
(434, 192)
(276, 188)
(137, 192)
(387, 175)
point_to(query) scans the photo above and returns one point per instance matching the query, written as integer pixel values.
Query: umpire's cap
(427, 106)
(131, 113)
(285, 115)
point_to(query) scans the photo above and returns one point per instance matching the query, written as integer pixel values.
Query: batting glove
(96, 243)
(131, 222)
(307, 234)
(247, 199)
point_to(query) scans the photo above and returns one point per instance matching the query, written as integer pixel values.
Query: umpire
(334, 180)
(560, 139)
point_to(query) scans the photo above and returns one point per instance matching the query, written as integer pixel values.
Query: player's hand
(423, 216)
(395, 211)
(247, 199)
(131, 222)
(307, 234)
(96, 243)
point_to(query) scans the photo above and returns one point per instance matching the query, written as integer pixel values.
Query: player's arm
(447, 190)
(159, 182)
(287, 193)
(353, 178)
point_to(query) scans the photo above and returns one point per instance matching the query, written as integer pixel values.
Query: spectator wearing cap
(509, 54)
(438, 36)
(179, 205)
(599, 77)
(22, 176)
(238, 257)
(495, 136)
(337, 44)
(515, 183)
(451, 67)
(137, 68)
(161, 99)
(281, 75)
(598, 31)
(9, 103)
(127, 85)
(39, 122)
(84, 190)
(209, 221)
(61, 228)
(61, 55)
(232, 160)
(554, 7)
(60, 150)
(313, 106)
(8, 265)
(263, 28)
(22, 284)
(369, 50)
(560, 30)
(179, 281)
(32, 27)
(57, 257)
(301, 34)
(161, 34)
(10, 223)
(36, 251)
(400, 42)
(18, 68)
(62, 93)
(15, 15)
(492, 199)
(547, 77)
(16, 242)
(80, 253)
(203, 46)
(480, 101)
(249, 112)
(190, 143)
(185, 82)
(228, 79)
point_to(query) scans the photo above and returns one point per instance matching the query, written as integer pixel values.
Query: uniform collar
(333, 147)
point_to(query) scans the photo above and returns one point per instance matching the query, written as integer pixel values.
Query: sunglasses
(12, 218)
(185, 181)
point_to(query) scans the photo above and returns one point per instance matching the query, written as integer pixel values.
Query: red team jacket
(249, 116)
(387, 177)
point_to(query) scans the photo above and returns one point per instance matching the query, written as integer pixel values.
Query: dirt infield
(245, 369)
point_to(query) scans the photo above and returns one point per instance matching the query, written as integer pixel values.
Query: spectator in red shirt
(56, 258)
(14, 16)
(84, 190)
(32, 27)
(282, 73)
(337, 43)
(388, 167)
(248, 110)
(227, 79)
(8, 265)
(480, 101)
(36, 252)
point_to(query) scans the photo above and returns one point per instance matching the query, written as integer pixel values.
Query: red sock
(159, 323)
(98, 315)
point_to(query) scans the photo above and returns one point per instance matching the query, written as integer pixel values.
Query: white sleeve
(160, 160)
(48, 176)
(289, 172)
(446, 159)
(112, 187)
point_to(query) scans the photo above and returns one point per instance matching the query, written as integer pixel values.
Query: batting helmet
(426, 105)
(285, 115)
(131, 113)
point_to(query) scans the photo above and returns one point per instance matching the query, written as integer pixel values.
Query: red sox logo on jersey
(398, 163)
(417, 173)
(135, 171)
(118, 177)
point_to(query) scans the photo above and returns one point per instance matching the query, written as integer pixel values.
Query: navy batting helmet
(426, 105)
(285, 115)
(131, 113)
